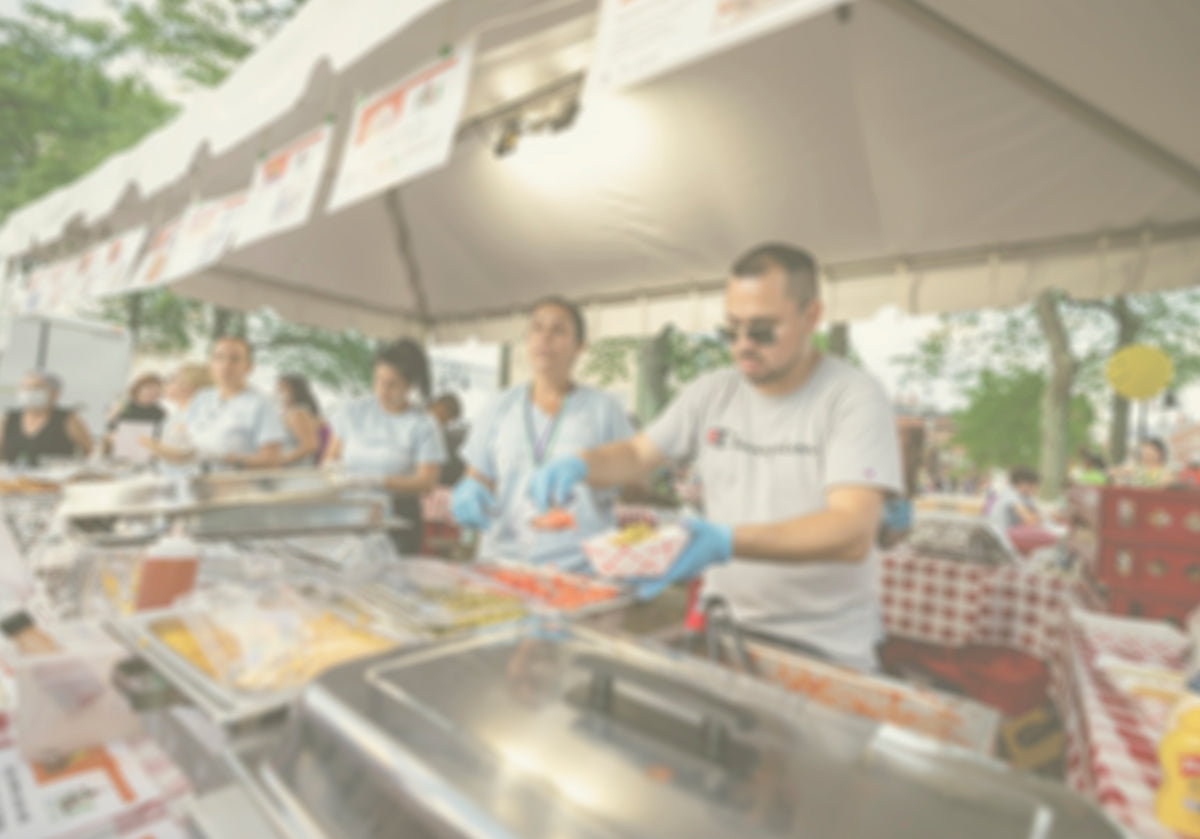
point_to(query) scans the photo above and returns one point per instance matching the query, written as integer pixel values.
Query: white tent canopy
(936, 155)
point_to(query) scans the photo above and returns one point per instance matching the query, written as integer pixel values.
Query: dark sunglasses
(762, 334)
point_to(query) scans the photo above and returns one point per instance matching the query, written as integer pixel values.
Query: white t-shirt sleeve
(270, 430)
(676, 431)
(430, 447)
(863, 448)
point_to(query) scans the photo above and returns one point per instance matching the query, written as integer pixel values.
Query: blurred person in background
(1090, 469)
(230, 423)
(178, 391)
(38, 428)
(1014, 506)
(307, 435)
(447, 410)
(1149, 468)
(898, 509)
(526, 427)
(143, 402)
(389, 439)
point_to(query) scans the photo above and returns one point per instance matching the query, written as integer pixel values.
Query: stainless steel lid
(550, 732)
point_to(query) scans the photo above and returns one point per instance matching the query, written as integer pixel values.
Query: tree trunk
(839, 339)
(133, 321)
(1129, 325)
(1056, 400)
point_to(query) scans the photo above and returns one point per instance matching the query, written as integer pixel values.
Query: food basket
(439, 599)
(638, 551)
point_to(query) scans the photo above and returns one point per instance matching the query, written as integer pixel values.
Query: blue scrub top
(502, 447)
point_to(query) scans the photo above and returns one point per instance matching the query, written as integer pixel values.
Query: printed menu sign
(284, 188)
(404, 131)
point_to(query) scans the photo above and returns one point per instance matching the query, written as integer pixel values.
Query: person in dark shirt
(143, 403)
(447, 410)
(37, 428)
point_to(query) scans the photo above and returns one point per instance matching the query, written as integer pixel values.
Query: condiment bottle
(1178, 806)
(168, 572)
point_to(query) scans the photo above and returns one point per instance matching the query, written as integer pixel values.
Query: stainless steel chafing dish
(247, 505)
(167, 495)
(544, 731)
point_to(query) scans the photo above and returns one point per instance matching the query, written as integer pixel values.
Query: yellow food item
(326, 640)
(633, 534)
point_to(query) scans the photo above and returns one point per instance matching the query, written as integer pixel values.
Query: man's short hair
(1024, 475)
(797, 265)
(237, 339)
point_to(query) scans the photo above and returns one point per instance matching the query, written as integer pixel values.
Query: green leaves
(1001, 425)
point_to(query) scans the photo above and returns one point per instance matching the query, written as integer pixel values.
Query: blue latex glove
(472, 504)
(710, 544)
(551, 485)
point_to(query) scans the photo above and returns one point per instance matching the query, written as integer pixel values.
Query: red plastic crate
(1151, 605)
(1169, 570)
(1151, 516)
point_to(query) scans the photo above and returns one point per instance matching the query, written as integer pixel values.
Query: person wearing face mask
(796, 452)
(230, 423)
(530, 425)
(388, 438)
(37, 428)
(301, 420)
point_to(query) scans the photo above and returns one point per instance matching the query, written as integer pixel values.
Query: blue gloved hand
(472, 504)
(551, 485)
(710, 544)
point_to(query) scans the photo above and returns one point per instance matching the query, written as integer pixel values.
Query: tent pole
(1134, 141)
(404, 248)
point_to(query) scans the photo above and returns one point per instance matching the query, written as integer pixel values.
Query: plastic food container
(647, 557)
(168, 572)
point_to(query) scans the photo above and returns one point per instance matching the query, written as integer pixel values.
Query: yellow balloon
(1139, 371)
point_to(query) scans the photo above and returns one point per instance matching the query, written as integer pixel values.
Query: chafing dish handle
(718, 715)
(720, 633)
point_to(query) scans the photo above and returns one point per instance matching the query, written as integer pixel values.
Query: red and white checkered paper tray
(650, 557)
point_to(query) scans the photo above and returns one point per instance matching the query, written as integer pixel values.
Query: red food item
(554, 519)
(559, 591)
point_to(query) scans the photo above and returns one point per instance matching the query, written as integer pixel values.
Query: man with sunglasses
(796, 452)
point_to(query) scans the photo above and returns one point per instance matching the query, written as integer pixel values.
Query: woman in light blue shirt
(388, 436)
(527, 426)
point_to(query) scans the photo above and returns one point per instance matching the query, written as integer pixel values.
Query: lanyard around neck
(540, 446)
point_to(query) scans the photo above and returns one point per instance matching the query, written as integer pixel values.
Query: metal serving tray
(540, 585)
(225, 704)
(438, 598)
(164, 495)
(545, 731)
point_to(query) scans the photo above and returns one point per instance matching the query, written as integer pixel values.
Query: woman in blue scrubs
(527, 426)
(390, 439)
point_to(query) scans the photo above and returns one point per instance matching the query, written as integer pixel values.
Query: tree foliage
(61, 112)
(1001, 425)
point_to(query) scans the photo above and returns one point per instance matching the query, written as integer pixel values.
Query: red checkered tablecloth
(955, 604)
(1112, 737)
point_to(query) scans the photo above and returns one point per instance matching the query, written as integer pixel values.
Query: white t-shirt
(765, 459)
(241, 424)
(375, 442)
